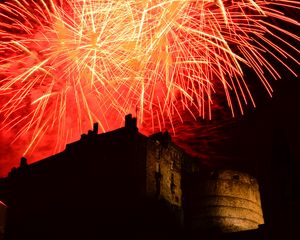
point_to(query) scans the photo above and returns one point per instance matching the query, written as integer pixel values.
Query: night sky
(247, 141)
(264, 142)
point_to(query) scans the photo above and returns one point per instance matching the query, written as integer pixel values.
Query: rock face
(226, 201)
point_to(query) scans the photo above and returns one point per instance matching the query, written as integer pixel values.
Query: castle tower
(219, 201)
(164, 168)
(225, 201)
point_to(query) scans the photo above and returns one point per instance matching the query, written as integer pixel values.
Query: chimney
(128, 119)
(130, 122)
(23, 162)
(95, 128)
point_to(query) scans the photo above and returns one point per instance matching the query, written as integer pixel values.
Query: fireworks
(67, 64)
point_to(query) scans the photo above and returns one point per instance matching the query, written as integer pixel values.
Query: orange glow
(67, 64)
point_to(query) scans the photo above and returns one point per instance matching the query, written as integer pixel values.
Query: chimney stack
(95, 128)
(130, 122)
(23, 162)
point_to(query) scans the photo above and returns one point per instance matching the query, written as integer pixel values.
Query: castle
(124, 184)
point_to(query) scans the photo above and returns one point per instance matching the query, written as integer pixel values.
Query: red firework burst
(67, 64)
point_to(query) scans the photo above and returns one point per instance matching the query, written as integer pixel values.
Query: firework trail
(67, 64)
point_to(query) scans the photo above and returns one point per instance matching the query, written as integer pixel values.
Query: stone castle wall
(164, 165)
(227, 201)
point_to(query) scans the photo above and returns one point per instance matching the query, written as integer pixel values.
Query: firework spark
(67, 64)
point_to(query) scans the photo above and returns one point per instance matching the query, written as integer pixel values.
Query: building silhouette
(124, 184)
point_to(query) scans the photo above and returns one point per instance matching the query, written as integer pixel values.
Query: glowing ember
(67, 64)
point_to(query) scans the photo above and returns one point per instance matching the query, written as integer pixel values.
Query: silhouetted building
(124, 184)
(2, 219)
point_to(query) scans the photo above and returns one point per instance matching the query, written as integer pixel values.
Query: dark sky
(254, 135)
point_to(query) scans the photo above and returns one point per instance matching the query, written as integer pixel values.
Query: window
(172, 165)
(157, 153)
(236, 177)
(172, 185)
